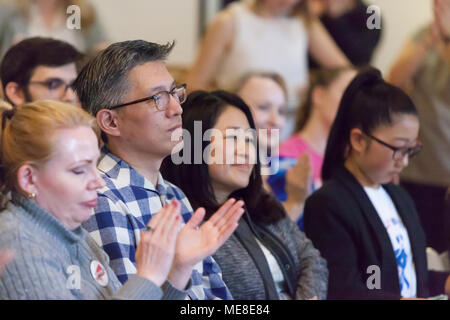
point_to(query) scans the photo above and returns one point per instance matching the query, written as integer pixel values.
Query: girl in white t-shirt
(366, 227)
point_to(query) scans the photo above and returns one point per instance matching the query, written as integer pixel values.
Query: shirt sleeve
(115, 231)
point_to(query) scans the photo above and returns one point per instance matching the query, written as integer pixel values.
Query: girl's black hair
(194, 179)
(367, 103)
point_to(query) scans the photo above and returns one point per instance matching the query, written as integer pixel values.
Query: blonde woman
(47, 18)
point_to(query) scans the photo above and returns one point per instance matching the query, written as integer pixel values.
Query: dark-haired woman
(367, 228)
(267, 257)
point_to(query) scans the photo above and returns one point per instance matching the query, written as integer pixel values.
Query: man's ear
(15, 93)
(107, 121)
(26, 179)
(357, 140)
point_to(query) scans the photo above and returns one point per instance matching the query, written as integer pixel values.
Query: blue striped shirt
(125, 206)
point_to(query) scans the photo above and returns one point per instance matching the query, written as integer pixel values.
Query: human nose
(243, 146)
(402, 159)
(97, 181)
(275, 119)
(173, 107)
(69, 95)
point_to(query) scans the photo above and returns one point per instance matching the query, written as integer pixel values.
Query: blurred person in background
(38, 69)
(346, 22)
(263, 35)
(266, 95)
(301, 155)
(47, 18)
(423, 70)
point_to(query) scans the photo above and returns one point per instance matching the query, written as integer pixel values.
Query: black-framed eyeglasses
(161, 98)
(55, 85)
(399, 152)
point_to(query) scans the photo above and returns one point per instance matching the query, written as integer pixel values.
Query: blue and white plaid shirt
(125, 206)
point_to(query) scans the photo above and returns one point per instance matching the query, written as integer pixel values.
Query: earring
(31, 195)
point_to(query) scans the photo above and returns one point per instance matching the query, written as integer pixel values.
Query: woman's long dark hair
(367, 103)
(194, 179)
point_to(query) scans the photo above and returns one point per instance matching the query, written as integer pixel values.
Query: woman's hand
(442, 16)
(195, 244)
(156, 249)
(298, 186)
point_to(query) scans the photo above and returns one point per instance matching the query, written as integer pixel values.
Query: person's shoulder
(17, 232)
(223, 22)
(284, 227)
(9, 224)
(331, 190)
(178, 194)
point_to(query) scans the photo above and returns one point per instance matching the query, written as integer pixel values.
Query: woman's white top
(266, 44)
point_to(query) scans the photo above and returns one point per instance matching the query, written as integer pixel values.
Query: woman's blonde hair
(28, 136)
(275, 77)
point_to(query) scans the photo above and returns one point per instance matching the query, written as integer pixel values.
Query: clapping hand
(196, 243)
(298, 185)
(156, 249)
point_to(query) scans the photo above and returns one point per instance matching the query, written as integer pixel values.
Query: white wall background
(153, 20)
(164, 20)
(401, 19)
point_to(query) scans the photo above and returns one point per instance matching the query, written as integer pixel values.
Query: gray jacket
(245, 282)
(52, 262)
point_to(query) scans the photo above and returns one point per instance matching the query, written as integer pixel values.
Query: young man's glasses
(55, 85)
(161, 98)
(400, 152)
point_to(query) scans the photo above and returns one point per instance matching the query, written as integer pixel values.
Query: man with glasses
(39, 68)
(138, 107)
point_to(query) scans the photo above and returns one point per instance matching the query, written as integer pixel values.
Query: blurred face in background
(327, 99)
(52, 83)
(267, 102)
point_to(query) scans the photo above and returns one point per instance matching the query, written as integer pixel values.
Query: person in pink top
(301, 155)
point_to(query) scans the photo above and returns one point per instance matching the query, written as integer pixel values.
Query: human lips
(244, 166)
(178, 126)
(91, 203)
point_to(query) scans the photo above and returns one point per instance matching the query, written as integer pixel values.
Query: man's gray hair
(103, 81)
